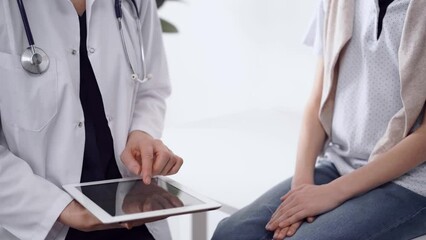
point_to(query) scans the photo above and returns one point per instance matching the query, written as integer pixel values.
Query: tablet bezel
(106, 218)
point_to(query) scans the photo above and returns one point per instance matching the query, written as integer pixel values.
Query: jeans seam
(398, 223)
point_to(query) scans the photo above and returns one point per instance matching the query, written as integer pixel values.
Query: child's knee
(225, 230)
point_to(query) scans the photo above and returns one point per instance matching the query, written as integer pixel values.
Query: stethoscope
(35, 60)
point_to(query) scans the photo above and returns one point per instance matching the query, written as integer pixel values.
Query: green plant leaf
(168, 27)
(160, 3)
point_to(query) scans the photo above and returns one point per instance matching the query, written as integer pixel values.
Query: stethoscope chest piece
(35, 60)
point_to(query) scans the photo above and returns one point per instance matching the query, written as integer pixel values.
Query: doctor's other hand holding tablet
(78, 217)
(143, 156)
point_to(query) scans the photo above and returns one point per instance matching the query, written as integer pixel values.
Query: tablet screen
(133, 196)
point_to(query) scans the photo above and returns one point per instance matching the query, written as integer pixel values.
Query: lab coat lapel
(89, 5)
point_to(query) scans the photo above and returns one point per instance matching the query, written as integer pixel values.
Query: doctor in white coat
(42, 133)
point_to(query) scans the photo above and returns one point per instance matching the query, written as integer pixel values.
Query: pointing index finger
(147, 158)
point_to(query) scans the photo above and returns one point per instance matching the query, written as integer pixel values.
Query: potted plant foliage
(166, 25)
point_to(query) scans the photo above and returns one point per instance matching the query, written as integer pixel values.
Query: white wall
(233, 55)
(240, 78)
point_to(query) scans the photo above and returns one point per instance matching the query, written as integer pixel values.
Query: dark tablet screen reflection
(134, 196)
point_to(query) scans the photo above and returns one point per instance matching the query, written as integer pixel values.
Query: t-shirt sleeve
(314, 36)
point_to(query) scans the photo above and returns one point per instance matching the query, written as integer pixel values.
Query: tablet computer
(128, 199)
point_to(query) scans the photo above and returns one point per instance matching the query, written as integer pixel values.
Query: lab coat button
(80, 124)
(74, 52)
(91, 50)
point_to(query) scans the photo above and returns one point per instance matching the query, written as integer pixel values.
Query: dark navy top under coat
(99, 161)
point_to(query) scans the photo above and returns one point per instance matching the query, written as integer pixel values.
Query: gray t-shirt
(368, 87)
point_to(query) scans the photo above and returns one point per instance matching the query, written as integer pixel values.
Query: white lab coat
(42, 124)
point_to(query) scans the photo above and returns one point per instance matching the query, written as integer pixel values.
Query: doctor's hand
(78, 217)
(147, 157)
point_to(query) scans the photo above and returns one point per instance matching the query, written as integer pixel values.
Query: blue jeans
(388, 212)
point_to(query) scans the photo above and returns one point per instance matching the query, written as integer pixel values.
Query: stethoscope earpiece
(35, 60)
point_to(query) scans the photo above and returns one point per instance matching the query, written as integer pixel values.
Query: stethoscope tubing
(35, 60)
(119, 11)
(119, 15)
(27, 27)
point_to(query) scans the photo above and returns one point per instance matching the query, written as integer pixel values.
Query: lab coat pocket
(27, 101)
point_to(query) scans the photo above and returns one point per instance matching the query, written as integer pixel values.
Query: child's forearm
(311, 142)
(312, 135)
(385, 167)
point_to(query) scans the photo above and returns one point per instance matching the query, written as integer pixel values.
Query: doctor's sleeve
(150, 105)
(29, 204)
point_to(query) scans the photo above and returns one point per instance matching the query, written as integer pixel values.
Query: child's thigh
(249, 223)
(389, 210)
